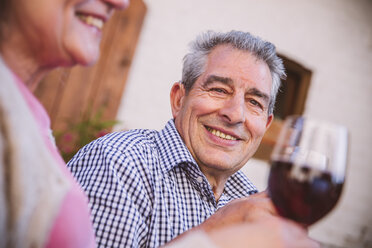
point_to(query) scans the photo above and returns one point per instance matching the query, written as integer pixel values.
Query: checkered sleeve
(118, 184)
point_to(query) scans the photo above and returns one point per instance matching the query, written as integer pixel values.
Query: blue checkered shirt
(145, 188)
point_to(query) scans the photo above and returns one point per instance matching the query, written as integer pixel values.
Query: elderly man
(147, 187)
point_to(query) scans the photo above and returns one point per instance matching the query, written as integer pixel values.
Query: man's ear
(176, 98)
(269, 121)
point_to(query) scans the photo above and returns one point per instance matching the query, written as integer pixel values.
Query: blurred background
(327, 49)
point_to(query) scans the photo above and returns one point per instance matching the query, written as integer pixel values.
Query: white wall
(333, 38)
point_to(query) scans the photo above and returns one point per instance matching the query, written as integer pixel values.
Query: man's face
(225, 115)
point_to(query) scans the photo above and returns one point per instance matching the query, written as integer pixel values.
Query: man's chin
(223, 166)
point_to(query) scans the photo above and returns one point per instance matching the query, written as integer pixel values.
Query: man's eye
(255, 103)
(219, 90)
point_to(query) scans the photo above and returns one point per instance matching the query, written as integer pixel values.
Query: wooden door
(68, 93)
(290, 100)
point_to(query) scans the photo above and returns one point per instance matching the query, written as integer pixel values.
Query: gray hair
(195, 61)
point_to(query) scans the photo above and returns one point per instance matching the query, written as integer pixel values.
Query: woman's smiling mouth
(91, 20)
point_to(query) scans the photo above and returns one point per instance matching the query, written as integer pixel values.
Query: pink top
(72, 227)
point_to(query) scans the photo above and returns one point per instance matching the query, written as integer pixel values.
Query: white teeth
(221, 134)
(91, 20)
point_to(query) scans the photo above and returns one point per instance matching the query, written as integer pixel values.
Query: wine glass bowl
(308, 166)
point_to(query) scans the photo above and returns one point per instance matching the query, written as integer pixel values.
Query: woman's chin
(87, 58)
(88, 62)
(82, 53)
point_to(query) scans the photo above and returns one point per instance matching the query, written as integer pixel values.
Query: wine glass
(308, 166)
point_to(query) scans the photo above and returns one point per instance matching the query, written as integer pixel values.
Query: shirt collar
(173, 152)
(238, 185)
(172, 149)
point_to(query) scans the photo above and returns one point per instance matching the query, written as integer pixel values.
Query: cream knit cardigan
(32, 186)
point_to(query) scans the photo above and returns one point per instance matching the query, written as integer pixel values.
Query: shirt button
(199, 179)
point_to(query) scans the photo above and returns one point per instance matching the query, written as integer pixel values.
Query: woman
(40, 203)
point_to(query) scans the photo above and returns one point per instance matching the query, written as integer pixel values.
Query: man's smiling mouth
(220, 134)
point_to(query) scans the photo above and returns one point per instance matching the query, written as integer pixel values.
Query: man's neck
(217, 183)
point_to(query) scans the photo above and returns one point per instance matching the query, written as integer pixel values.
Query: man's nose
(118, 4)
(234, 110)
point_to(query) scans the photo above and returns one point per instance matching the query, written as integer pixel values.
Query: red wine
(301, 193)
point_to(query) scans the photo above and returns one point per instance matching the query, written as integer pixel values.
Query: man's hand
(254, 222)
(274, 232)
(241, 211)
(250, 222)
